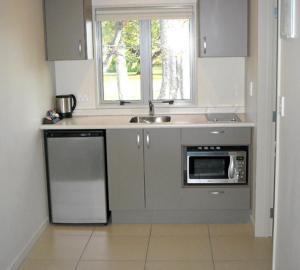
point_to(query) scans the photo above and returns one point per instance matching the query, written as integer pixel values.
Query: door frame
(265, 127)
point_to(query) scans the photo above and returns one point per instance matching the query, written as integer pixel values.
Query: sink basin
(150, 119)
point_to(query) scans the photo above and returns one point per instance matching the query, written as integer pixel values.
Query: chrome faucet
(151, 108)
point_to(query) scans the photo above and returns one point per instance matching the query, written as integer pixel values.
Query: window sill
(133, 106)
(159, 110)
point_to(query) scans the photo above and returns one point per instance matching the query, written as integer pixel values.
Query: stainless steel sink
(150, 119)
(222, 117)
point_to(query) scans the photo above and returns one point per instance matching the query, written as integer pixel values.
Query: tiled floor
(150, 247)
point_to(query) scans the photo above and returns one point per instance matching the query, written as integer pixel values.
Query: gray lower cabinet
(68, 29)
(216, 136)
(125, 169)
(144, 168)
(162, 168)
(223, 28)
(215, 198)
(145, 178)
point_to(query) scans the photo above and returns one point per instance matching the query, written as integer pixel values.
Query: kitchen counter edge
(122, 122)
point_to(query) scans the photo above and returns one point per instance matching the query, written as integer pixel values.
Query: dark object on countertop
(51, 118)
(65, 105)
(47, 121)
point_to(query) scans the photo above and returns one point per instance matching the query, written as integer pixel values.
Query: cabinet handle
(217, 192)
(80, 47)
(138, 140)
(231, 170)
(148, 140)
(204, 44)
(217, 132)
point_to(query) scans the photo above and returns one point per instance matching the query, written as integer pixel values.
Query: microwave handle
(231, 168)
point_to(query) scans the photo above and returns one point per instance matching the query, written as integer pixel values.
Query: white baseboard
(25, 251)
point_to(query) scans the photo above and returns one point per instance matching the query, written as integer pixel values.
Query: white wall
(25, 95)
(251, 95)
(221, 83)
(252, 61)
(287, 215)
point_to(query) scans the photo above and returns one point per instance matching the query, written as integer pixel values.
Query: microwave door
(207, 169)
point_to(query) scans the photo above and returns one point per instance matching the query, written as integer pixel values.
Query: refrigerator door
(77, 183)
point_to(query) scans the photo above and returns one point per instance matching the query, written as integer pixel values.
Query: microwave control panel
(240, 164)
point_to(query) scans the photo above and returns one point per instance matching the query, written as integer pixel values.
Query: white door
(287, 198)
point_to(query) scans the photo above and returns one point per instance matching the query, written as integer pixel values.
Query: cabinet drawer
(216, 136)
(215, 198)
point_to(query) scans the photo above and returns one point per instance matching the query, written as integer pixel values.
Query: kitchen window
(145, 54)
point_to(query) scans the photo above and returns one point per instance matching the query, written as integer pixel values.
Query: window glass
(171, 76)
(146, 54)
(121, 60)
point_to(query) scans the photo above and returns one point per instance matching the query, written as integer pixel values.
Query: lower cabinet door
(125, 168)
(162, 153)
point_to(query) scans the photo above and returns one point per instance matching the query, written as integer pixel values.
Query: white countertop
(118, 122)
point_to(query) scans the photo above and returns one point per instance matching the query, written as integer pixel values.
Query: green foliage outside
(130, 37)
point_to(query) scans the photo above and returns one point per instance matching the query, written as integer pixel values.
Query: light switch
(251, 88)
(282, 106)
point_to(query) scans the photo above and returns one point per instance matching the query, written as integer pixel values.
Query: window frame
(146, 64)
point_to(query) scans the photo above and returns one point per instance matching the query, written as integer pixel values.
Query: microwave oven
(215, 165)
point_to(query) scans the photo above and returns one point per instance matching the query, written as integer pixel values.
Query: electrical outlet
(83, 98)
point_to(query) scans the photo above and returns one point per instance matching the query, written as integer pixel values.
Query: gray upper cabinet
(125, 169)
(68, 29)
(223, 28)
(162, 168)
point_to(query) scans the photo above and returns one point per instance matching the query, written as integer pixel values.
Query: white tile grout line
(76, 267)
(148, 247)
(211, 248)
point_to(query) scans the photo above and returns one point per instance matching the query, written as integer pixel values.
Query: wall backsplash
(221, 82)
(221, 85)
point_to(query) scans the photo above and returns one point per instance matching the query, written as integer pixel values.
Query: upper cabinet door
(223, 28)
(68, 26)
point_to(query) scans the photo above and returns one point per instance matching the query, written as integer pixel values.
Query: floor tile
(67, 247)
(179, 229)
(231, 230)
(175, 265)
(241, 248)
(116, 248)
(123, 230)
(179, 248)
(48, 265)
(100, 265)
(68, 230)
(248, 265)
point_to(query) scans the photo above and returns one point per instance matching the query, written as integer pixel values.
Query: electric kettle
(65, 105)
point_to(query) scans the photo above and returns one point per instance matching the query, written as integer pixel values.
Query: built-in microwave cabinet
(145, 170)
(223, 28)
(68, 29)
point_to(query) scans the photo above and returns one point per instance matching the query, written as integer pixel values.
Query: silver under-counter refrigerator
(76, 176)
